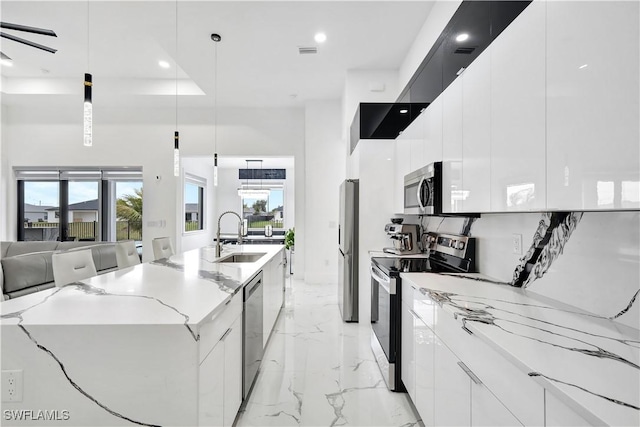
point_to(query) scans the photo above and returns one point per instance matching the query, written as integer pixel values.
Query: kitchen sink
(246, 257)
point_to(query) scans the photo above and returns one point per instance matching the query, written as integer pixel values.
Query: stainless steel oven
(423, 190)
(385, 341)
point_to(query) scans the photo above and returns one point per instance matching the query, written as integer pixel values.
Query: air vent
(465, 50)
(307, 50)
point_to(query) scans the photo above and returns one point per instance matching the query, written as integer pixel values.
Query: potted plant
(289, 239)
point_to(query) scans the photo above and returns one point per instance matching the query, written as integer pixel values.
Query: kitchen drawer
(217, 324)
(500, 375)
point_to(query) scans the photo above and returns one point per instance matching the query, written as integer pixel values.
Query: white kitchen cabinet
(211, 388)
(407, 357)
(273, 293)
(220, 376)
(557, 413)
(487, 410)
(402, 168)
(433, 132)
(452, 192)
(517, 100)
(476, 135)
(232, 372)
(424, 348)
(452, 387)
(593, 64)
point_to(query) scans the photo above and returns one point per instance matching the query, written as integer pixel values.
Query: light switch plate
(516, 243)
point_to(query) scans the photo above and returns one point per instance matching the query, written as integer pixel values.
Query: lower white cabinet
(408, 360)
(452, 391)
(273, 292)
(220, 379)
(436, 372)
(558, 414)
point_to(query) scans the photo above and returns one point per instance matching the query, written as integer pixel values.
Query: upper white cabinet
(476, 135)
(593, 70)
(518, 86)
(402, 168)
(452, 147)
(433, 132)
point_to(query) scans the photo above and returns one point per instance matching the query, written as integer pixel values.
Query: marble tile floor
(320, 371)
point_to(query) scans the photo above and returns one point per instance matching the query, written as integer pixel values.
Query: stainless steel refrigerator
(348, 251)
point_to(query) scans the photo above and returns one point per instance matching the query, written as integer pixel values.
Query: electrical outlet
(12, 386)
(516, 240)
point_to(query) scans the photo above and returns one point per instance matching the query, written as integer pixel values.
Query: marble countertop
(184, 289)
(591, 362)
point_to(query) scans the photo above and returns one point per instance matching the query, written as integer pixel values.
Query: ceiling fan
(32, 30)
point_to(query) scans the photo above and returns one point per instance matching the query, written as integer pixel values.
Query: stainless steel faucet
(218, 245)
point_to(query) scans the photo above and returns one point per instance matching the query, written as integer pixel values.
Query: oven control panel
(452, 245)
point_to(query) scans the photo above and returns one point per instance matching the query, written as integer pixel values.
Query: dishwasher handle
(253, 286)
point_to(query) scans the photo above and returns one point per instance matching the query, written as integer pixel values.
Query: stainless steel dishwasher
(252, 349)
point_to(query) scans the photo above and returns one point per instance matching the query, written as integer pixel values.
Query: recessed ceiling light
(404, 111)
(164, 64)
(462, 37)
(320, 37)
(583, 66)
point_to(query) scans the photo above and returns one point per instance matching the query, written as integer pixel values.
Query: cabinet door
(433, 132)
(557, 413)
(232, 372)
(518, 87)
(452, 397)
(424, 344)
(476, 135)
(268, 301)
(487, 410)
(402, 168)
(408, 362)
(452, 147)
(211, 387)
(593, 64)
(280, 273)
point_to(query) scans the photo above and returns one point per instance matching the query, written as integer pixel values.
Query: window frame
(276, 185)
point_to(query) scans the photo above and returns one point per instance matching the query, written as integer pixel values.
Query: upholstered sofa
(25, 267)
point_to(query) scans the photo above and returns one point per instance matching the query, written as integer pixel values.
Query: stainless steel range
(450, 254)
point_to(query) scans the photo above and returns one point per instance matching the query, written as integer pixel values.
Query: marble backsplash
(592, 262)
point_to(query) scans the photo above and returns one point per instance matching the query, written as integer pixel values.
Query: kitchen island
(135, 346)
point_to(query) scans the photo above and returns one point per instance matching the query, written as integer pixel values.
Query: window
(194, 203)
(62, 204)
(259, 212)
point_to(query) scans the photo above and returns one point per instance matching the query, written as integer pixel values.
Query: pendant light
(216, 39)
(176, 134)
(87, 117)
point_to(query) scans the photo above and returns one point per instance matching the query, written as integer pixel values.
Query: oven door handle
(379, 277)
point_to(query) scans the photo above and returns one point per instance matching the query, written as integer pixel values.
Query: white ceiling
(258, 60)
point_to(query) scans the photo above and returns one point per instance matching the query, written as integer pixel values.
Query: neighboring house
(278, 213)
(35, 213)
(86, 211)
(191, 212)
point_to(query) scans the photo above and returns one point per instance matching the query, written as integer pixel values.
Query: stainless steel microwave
(423, 190)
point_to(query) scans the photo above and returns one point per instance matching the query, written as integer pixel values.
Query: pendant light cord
(215, 100)
(88, 38)
(176, 64)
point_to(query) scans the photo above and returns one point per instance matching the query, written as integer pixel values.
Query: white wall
(51, 136)
(324, 171)
(200, 167)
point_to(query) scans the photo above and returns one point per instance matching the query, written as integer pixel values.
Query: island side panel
(105, 375)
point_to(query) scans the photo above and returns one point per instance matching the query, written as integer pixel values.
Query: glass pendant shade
(215, 170)
(176, 154)
(88, 111)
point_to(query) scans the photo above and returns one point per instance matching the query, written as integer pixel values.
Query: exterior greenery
(289, 238)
